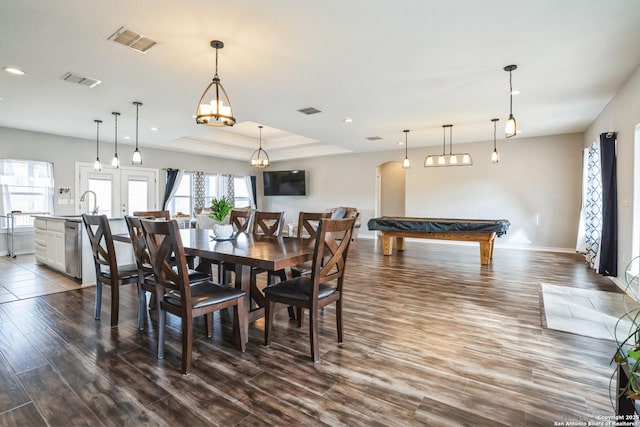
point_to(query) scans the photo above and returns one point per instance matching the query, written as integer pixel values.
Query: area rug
(590, 313)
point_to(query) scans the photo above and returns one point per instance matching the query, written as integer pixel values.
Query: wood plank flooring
(431, 338)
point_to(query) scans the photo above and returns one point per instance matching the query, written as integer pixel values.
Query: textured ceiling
(412, 64)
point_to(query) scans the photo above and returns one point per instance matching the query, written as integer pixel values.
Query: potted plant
(220, 210)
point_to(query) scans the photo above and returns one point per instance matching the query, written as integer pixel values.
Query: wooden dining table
(246, 251)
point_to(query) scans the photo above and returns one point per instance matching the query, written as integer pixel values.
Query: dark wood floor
(431, 338)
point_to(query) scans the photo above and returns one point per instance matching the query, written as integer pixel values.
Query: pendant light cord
(98, 138)
(137, 107)
(510, 95)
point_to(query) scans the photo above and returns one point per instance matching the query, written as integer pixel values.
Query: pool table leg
(485, 253)
(387, 244)
(400, 243)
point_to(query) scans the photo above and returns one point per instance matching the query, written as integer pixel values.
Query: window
(25, 186)
(184, 197)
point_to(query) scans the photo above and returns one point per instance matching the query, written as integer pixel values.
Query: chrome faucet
(95, 201)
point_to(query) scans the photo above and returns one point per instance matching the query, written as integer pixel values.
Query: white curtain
(249, 186)
(590, 226)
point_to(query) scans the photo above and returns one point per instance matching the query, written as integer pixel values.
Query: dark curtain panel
(609, 245)
(172, 178)
(253, 190)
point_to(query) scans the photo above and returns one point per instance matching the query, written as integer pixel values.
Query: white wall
(536, 186)
(622, 115)
(392, 189)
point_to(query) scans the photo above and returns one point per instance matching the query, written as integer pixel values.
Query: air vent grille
(374, 138)
(132, 39)
(309, 110)
(81, 80)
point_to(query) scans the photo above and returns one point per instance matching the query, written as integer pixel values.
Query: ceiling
(389, 66)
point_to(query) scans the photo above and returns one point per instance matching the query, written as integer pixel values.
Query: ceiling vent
(374, 138)
(81, 80)
(309, 111)
(132, 39)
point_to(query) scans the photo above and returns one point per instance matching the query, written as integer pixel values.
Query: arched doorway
(390, 189)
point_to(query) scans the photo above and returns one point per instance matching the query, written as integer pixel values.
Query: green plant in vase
(220, 210)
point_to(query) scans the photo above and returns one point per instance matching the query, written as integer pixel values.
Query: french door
(118, 192)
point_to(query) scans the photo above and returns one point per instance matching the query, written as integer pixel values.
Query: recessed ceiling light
(126, 137)
(347, 120)
(14, 70)
(401, 143)
(155, 129)
(515, 92)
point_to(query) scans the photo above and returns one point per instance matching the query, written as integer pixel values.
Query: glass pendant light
(260, 158)
(214, 107)
(115, 162)
(96, 165)
(406, 163)
(495, 158)
(136, 159)
(451, 159)
(511, 128)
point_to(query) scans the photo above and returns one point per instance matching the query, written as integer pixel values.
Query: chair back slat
(140, 250)
(167, 256)
(308, 222)
(101, 240)
(240, 219)
(330, 253)
(267, 223)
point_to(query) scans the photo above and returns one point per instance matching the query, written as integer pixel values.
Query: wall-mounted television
(284, 183)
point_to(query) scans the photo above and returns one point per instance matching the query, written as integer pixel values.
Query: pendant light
(214, 108)
(451, 159)
(406, 163)
(495, 158)
(511, 128)
(260, 158)
(115, 162)
(96, 165)
(136, 159)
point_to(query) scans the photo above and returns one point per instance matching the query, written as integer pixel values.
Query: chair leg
(300, 315)
(313, 334)
(98, 300)
(269, 312)
(162, 319)
(339, 319)
(142, 307)
(240, 313)
(208, 320)
(115, 304)
(187, 344)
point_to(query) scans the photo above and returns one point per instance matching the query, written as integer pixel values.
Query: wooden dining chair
(146, 280)
(108, 272)
(241, 219)
(319, 289)
(182, 298)
(267, 223)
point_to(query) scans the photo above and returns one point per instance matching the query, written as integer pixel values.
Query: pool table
(468, 230)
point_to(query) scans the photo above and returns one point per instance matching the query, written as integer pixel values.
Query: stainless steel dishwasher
(73, 249)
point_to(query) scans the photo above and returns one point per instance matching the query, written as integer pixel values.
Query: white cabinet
(50, 244)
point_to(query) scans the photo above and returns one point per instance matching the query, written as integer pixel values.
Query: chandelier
(260, 158)
(451, 159)
(214, 108)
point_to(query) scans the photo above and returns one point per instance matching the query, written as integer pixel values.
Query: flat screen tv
(284, 183)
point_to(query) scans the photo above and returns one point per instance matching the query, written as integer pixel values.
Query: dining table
(245, 252)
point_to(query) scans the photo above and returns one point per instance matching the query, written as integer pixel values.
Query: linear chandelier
(214, 108)
(510, 129)
(451, 159)
(260, 158)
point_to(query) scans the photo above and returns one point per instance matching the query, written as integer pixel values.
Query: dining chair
(146, 280)
(267, 223)
(323, 286)
(108, 272)
(183, 298)
(241, 219)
